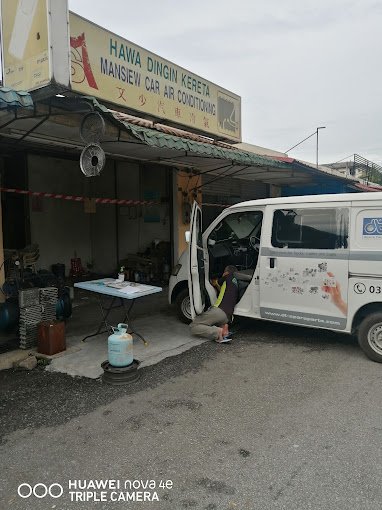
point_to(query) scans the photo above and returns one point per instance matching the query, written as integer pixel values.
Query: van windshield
(236, 226)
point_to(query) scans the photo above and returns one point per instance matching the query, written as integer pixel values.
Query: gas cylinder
(9, 314)
(120, 347)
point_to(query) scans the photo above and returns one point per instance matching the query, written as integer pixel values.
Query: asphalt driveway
(284, 417)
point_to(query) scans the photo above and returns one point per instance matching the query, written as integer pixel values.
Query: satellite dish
(92, 160)
(92, 127)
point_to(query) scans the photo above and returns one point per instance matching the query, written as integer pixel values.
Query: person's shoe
(224, 340)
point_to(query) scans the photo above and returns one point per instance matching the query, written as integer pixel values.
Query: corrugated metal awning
(10, 99)
(161, 136)
(55, 122)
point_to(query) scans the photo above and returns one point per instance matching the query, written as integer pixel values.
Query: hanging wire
(310, 136)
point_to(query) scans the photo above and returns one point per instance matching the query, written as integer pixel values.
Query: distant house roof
(368, 187)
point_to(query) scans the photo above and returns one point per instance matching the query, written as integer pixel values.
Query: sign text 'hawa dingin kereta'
(111, 68)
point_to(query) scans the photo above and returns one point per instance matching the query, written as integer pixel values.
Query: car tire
(182, 304)
(370, 336)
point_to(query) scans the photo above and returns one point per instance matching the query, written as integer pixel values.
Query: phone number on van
(360, 288)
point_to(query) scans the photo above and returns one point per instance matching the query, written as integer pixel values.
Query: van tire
(182, 304)
(370, 336)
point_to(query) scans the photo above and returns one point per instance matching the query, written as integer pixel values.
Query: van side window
(322, 229)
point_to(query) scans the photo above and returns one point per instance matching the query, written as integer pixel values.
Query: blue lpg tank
(120, 347)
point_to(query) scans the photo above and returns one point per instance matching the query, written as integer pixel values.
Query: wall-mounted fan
(92, 127)
(92, 160)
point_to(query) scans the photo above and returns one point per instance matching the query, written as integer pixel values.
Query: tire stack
(118, 376)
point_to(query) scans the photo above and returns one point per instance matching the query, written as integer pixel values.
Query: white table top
(136, 290)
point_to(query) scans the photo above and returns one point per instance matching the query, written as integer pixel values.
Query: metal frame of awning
(54, 125)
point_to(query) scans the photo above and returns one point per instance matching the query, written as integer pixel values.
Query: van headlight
(176, 269)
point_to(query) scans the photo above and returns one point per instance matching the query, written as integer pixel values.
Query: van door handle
(272, 261)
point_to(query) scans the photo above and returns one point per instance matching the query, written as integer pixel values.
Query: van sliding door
(304, 264)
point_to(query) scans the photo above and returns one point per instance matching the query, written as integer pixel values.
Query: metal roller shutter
(230, 191)
(250, 190)
(225, 186)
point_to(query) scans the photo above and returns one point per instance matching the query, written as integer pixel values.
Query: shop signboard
(25, 44)
(113, 69)
(35, 40)
(47, 48)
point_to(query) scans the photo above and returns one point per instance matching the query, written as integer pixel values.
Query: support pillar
(185, 196)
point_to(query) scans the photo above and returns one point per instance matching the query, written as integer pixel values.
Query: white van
(310, 260)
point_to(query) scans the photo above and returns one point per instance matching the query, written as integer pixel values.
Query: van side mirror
(187, 236)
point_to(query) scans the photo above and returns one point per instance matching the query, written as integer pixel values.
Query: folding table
(128, 294)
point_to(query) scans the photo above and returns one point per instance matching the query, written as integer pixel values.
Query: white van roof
(340, 197)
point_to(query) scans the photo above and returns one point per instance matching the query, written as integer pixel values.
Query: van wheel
(370, 336)
(183, 307)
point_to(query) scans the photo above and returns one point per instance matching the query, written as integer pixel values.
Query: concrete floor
(283, 418)
(152, 317)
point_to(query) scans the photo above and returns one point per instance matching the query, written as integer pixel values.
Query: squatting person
(213, 323)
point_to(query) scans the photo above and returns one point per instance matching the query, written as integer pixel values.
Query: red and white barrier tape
(73, 198)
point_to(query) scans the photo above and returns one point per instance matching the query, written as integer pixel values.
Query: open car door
(196, 268)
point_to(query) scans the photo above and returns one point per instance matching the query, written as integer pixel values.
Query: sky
(297, 64)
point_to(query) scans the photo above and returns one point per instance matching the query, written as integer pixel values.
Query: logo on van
(372, 227)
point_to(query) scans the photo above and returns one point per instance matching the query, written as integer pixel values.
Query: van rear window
(322, 229)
